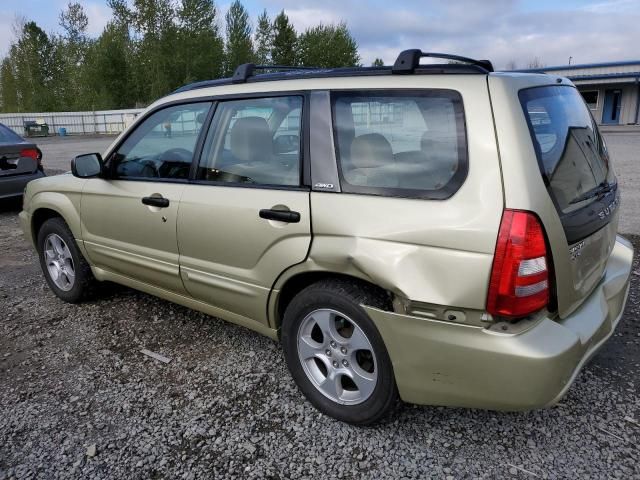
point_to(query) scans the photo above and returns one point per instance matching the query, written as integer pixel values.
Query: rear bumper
(13, 186)
(441, 363)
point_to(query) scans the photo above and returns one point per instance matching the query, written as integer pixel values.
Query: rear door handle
(280, 215)
(160, 202)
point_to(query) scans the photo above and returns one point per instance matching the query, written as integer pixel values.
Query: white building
(612, 90)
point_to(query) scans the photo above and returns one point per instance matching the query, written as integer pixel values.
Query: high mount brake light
(519, 282)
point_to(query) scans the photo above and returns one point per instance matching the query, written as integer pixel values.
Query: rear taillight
(32, 153)
(519, 282)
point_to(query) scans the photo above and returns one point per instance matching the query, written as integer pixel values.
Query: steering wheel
(149, 169)
(178, 153)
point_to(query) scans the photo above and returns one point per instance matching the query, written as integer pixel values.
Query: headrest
(370, 151)
(251, 139)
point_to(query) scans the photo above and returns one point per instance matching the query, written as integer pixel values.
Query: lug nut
(333, 344)
(345, 363)
(328, 352)
(343, 350)
(335, 364)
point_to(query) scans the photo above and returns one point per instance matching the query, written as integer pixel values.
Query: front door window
(162, 146)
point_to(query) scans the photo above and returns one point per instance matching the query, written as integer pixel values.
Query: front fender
(61, 195)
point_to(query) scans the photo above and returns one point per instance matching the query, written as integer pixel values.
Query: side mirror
(87, 166)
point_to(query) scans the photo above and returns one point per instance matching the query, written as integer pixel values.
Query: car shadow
(11, 205)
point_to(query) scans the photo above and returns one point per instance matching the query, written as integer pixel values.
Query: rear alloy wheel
(337, 357)
(335, 353)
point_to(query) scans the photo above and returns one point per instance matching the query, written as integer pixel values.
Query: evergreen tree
(264, 39)
(284, 41)
(378, 62)
(8, 87)
(149, 48)
(200, 48)
(239, 48)
(72, 47)
(36, 69)
(155, 70)
(328, 46)
(108, 71)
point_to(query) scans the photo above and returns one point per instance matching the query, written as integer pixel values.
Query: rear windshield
(400, 143)
(570, 150)
(9, 136)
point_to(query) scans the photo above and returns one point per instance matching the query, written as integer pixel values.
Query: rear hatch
(574, 164)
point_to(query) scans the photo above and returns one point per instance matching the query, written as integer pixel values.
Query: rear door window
(572, 156)
(400, 143)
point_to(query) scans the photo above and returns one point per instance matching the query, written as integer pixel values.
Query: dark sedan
(20, 162)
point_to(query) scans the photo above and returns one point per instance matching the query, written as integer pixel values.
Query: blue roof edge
(577, 67)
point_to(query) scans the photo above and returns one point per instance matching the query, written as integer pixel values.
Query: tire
(55, 236)
(311, 356)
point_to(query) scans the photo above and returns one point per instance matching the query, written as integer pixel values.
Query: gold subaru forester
(441, 234)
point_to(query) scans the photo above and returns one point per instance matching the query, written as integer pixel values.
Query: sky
(500, 30)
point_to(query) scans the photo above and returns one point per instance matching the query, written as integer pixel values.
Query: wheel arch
(294, 283)
(46, 205)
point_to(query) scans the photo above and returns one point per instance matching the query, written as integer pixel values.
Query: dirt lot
(72, 378)
(57, 152)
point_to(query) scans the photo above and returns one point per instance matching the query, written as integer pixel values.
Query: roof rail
(409, 60)
(244, 71)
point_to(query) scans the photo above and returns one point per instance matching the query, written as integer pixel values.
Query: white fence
(76, 123)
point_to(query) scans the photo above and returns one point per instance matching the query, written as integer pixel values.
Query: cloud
(99, 15)
(501, 30)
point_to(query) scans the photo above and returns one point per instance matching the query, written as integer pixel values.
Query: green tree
(239, 48)
(8, 87)
(199, 49)
(264, 39)
(122, 14)
(154, 68)
(284, 41)
(378, 62)
(74, 21)
(108, 70)
(328, 46)
(37, 67)
(72, 49)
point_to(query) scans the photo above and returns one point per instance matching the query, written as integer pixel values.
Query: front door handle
(160, 202)
(280, 215)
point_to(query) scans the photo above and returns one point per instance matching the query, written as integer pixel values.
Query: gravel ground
(79, 400)
(625, 152)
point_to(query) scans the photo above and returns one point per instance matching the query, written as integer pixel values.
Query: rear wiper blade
(601, 189)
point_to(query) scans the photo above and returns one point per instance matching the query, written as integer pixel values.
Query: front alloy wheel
(59, 262)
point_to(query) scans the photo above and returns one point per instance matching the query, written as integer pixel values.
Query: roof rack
(409, 60)
(244, 71)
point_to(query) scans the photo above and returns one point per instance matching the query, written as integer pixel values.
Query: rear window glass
(9, 136)
(571, 153)
(400, 143)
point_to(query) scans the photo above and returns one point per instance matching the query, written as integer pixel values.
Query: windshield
(569, 147)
